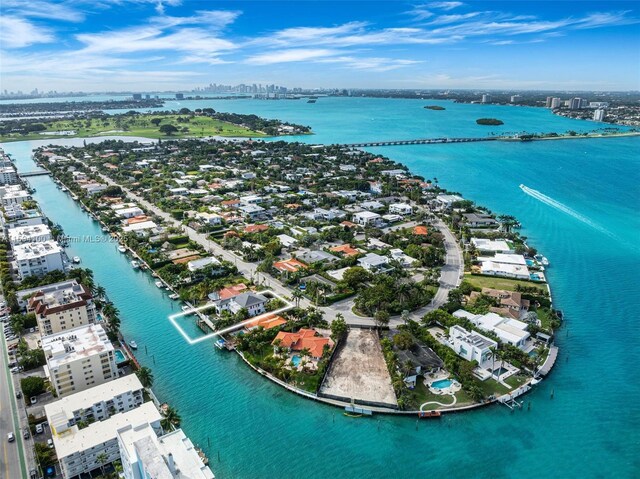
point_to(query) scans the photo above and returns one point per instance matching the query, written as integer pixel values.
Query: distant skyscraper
(598, 115)
(515, 98)
(556, 102)
(137, 96)
(575, 103)
(486, 98)
(549, 102)
(179, 96)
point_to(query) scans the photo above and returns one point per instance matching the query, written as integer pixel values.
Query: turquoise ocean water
(586, 223)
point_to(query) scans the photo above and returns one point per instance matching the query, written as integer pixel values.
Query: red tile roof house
(303, 339)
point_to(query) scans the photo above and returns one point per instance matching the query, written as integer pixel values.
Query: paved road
(450, 276)
(12, 465)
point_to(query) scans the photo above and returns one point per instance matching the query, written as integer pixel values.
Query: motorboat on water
(174, 296)
(135, 264)
(133, 344)
(159, 284)
(76, 259)
(122, 249)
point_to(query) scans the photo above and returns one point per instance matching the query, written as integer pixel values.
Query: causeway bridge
(34, 173)
(423, 141)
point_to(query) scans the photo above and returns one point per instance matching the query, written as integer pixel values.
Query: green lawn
(139, 125)
(501, 283)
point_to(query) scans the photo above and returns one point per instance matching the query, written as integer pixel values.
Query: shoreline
(517, 391)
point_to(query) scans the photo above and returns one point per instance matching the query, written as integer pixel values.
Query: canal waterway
(585, 222)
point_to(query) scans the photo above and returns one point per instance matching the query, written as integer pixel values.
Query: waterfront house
(223, 297)
(303, 339)
(476, 220)
(470, 345)
(201, 263)
(510, 331)
(484, 245)
(254, 303)
(266, 321)
(492, 268)
(511, 302)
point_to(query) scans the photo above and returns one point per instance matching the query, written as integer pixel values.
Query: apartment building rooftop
(74, 344)
(28, 251)
(67, 296)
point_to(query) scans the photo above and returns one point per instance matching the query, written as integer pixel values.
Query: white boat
(186, 308)
(159, 284)
(174, 296)
(135, 264)
(76, 259)
(122, 249)
(133, 344)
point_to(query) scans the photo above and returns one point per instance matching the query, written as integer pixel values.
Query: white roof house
(400, 208)
(129, 212)
(491, 246)
(517, 259)
(373, 262)
(198, 264)
(364, 218)
(140, 227)
(493, 268)
(286, 240)
(470, 345)
(509, 330)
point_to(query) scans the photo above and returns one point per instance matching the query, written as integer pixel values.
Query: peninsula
(317, 263)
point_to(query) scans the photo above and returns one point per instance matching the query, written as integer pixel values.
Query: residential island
(331, 271)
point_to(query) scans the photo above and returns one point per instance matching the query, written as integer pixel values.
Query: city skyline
(156, 45)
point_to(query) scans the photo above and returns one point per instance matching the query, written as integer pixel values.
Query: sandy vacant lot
(359, 370)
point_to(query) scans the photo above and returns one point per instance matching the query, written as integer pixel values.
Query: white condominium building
(145, 455)
(63, 306)
(38, 258)
(8, 175)
(78, 450)
(79, 359)
(95, 404)
(29, 234)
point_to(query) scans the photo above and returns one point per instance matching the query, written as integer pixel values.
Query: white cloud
(16, 32)
(445, 5)
(286, 56)
(43, 9)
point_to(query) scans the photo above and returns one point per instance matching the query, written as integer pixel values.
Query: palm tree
(297, 296)
(99, 292)
(102, 459)
(171, 419)
(145, 375)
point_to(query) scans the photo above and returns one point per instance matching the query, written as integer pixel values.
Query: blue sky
(98, 45)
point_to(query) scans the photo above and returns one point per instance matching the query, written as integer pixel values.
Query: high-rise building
(515, 98)
(599, 114)
(549, 101)
(575, 103)
(179, 96)
(556, 102)
(137, 96)
(486, 98)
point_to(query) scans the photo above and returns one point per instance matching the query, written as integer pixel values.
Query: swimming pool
(530, 262)
(441, 384)
(499, 372)
(120, 357)
(295, 360)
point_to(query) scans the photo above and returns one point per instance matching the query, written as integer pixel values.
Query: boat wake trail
(564, 208)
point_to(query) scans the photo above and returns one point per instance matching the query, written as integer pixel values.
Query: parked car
(19, 394)
(50, 443)
(33, 400)
(15, 370)
(39, 428)
(11, 437)
(25, 433)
